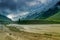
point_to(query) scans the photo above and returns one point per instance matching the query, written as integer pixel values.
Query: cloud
(10, 16)
(15, 1)
(43, 1)
(33, 3)
(23, 13)
(8, 4)
(36, 2)
(18, 15)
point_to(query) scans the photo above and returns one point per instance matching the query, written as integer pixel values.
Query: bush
(14, 29)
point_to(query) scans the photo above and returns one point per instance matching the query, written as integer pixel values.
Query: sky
(15, 9)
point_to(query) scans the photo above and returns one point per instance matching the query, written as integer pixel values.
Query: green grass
(55, 17)
(37, 22)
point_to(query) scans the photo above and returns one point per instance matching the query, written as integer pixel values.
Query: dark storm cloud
(10, 4)
(13, 6)
(21, 5)
(7, 7)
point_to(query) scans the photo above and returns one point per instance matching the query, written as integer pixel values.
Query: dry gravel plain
(30, 32)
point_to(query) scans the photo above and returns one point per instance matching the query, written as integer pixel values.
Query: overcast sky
(14, 9)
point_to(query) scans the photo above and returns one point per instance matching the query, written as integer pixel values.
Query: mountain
(50, 12)
(4, 19)
(45, 14)
(52, 15)
(55, 17)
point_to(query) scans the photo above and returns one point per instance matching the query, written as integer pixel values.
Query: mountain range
(46, 14)
(52, 14)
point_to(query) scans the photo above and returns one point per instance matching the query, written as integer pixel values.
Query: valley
(29, 20)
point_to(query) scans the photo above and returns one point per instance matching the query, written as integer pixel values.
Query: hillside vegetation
(4, 19)
(55, 17)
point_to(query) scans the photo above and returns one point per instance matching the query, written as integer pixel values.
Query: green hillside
(4, 19)
(55, 17)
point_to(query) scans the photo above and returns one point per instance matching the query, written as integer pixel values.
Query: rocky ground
(30, 32)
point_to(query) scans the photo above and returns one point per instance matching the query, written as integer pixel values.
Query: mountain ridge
(4, 19)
